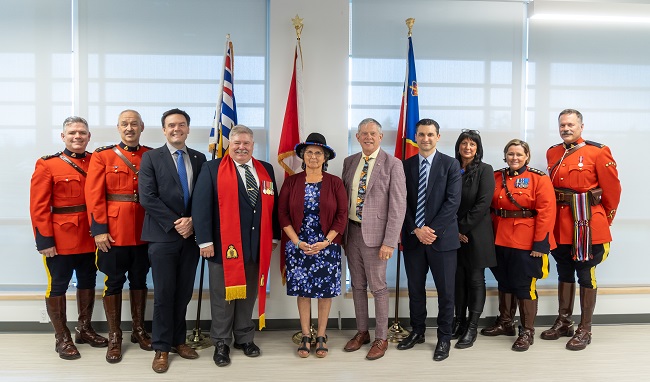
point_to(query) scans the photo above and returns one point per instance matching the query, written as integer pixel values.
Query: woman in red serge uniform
(523, 207)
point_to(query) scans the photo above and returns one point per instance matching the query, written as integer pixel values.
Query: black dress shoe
(221, 354)
(410, 341)
(249, 349)
(442, 351)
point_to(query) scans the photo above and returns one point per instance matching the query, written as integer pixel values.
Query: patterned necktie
(362, 187)
(422, 192)
(251, 185)
(182, 176)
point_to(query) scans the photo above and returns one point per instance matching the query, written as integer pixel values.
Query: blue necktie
(422, 192)
(182, 176)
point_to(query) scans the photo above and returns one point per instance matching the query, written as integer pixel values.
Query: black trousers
(173, 267)
(59, 272)
(417, 263)
(517, 271)
(120, 261)
(470, 290)
(567, 268)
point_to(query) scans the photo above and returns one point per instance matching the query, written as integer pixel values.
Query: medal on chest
(522, 182)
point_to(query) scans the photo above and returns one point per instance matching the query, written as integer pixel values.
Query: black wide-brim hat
(314, 139)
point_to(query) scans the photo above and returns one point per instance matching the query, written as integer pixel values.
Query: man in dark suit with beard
(167, 178)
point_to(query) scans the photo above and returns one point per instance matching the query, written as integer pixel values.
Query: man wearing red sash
(587, 191)
(58, 213)
(236, 224)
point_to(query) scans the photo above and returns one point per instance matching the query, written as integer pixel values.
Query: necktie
(422, 192)
(251, 185)
(182, 176)
(362, 187)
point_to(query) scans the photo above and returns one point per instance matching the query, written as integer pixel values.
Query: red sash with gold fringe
(231, 241)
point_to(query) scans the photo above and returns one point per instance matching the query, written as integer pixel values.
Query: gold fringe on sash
(237, 292)
(262, 321)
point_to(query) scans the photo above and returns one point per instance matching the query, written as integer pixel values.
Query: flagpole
(396, 332)
(197, 340)
(298, 25)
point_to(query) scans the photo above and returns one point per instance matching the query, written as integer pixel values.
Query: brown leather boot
(139, 335)
(582, 337)
(113, 309)
(63, 344)
(505, 323)
(563, 326)
(85, 332)
(528, 312)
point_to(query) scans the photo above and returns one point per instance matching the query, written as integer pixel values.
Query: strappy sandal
(303, 350)
(321, 351)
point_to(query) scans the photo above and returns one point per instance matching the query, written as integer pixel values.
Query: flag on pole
(292, 131)
(225, 115)
(409, 114)
(292, 127)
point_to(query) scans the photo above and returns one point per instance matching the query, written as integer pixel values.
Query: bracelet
(298, 245)
(328, 240)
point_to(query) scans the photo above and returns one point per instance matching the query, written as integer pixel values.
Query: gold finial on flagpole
(409, 23)
(297, 23)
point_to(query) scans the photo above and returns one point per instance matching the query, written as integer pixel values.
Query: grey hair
(241, 129)
(367, 121)
(129, 111)
(74, 119)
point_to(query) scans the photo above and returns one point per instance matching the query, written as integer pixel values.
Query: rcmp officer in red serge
(58, 212)
(523, 208)
(588, 191)
(116, 218)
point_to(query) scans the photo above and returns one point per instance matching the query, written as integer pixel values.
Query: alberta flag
(225, 115)
(409, 115)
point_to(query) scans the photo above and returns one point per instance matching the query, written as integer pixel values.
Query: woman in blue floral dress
(313, 213)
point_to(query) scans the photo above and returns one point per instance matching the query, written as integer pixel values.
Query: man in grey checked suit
(376, 187)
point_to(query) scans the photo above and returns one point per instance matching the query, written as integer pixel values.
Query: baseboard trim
(333, 323)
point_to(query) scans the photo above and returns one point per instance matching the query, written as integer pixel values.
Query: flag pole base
(297, 336)
(198, 341)
(396, 332)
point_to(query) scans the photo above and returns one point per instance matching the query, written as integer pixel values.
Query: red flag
(292, 131)
(292, 127)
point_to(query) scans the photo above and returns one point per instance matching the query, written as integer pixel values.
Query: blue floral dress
(319, 275)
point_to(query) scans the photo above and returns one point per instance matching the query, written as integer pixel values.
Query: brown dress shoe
(359, 339)
(185, 351)
(377, 350)
(160, 362)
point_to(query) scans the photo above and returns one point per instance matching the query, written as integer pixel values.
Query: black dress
(474, 220)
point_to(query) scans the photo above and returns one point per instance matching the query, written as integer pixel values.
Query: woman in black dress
(475, 234)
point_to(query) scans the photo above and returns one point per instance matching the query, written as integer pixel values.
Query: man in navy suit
(167, 177)
(430, 234)
(237, 228)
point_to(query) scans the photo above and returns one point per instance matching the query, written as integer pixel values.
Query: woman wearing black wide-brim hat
(313, 211)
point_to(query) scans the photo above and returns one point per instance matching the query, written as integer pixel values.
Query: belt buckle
(136, 198)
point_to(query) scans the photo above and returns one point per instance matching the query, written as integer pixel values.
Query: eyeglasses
(316, 154)
(471, 131)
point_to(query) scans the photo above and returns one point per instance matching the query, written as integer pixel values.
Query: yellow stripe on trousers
(105, 277)
(49, 278)
(592, 271)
